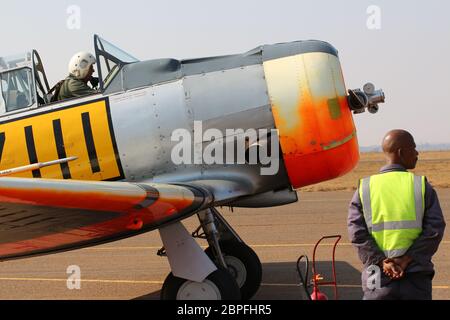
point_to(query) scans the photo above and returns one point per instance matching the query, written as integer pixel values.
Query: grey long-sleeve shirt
(423, 248)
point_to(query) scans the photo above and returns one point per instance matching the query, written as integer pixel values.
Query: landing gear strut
(227, 250)
(227, 269)
(194, 275)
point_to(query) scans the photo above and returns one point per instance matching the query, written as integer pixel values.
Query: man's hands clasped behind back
(395, 268)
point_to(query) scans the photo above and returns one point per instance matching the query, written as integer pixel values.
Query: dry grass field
(435, 165)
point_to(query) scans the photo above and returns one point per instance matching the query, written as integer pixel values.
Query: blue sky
(409, 57)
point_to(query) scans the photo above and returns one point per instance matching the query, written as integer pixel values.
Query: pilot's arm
(78, 88)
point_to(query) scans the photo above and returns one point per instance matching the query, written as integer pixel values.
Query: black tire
(225, 287)
(239, 250)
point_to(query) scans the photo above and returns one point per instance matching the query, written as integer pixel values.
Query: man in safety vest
(396, 223)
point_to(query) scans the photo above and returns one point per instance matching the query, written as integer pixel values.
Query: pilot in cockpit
(81, 68)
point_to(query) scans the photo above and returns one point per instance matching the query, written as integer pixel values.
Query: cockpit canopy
(110, 59)
(24, 85)
(16, 82)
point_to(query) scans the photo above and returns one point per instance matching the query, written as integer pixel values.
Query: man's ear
(400, 154)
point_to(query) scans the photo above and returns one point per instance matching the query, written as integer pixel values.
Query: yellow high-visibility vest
(393, 205)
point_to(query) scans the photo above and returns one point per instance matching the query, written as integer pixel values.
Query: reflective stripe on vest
(393, 205)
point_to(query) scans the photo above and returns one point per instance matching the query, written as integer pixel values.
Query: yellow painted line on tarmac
(287, 245)
(161, 282)
(122, 248)
(86, 280)
(441, 287)
(281, 245)
(296, 245)
(329, 285)
(298, 285)
(251, 245)
(307, 244)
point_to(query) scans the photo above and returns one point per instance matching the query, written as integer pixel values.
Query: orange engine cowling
(311, 111)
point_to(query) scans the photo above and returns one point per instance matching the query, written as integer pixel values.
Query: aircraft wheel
(243, 264)
(219, 285)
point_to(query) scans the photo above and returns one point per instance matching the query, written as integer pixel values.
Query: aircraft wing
(39, 216)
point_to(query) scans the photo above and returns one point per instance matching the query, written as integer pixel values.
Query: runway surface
(130, 269)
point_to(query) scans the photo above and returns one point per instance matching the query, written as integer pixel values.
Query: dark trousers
(413, 286)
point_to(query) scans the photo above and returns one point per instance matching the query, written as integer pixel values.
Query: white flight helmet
(80, 63)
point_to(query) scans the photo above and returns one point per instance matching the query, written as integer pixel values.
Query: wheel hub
(205, 290)
(237, 269)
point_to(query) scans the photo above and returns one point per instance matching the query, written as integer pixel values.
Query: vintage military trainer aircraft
(99, 168)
